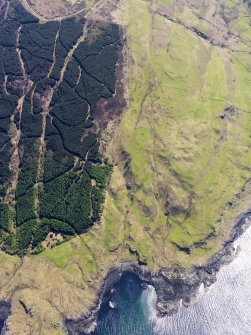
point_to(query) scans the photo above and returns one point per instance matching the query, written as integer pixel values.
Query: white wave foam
(149, 300)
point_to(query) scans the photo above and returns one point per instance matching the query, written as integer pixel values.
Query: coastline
(5, 311)
(173, 285)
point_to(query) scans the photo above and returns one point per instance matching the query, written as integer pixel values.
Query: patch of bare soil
(103, 13)
(52, 239)
(56, 8)
(109, 111)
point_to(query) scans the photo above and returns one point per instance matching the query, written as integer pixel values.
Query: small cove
(223, 309)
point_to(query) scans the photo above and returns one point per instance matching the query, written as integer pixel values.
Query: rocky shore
(5, 309)
(173, 285)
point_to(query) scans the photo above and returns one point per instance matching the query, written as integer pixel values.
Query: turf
(186, 130)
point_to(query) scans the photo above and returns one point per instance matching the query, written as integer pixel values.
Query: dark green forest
(52, 176)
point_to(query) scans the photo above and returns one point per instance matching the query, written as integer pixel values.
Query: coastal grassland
(187, 137)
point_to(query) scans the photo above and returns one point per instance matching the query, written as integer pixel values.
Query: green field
(186, 132)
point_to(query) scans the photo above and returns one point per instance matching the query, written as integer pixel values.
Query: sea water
(1, 326)
(224, 309)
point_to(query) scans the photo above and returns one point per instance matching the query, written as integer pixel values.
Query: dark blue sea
(224, 309)
(1, 325)
(5, 308)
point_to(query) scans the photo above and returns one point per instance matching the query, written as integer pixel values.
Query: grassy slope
(181, 151)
